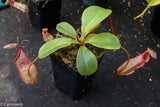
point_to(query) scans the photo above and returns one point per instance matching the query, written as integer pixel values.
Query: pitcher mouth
(145, 57)
(18, 54)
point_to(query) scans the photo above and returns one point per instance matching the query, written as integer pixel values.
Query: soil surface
(141, 89)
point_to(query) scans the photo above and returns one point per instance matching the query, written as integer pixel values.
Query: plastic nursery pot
(44, 14)
(69, 80)
(155, 24)
(102, 3)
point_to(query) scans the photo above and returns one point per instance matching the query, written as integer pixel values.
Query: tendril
(29, 69)
(118, 71)
(110, 18)
(28, 3)
(77, 37)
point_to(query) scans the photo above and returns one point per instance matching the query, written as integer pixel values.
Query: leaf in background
(67, 29)
(92, 16)
(53, 45)
(105, 40)
(153, 2)
(86, 61)
(150, 4)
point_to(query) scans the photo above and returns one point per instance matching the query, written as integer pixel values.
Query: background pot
(102, 3)
(155, 24)
(69, 80)
(44, 14)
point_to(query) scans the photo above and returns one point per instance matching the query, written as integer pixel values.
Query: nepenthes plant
(86, 60)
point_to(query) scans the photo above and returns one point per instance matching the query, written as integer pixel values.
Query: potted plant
(75, 80)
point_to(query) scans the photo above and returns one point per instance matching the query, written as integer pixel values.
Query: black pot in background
(69, 80)
(155, 24)
(3, 1)
(101, 3)
(44, 16)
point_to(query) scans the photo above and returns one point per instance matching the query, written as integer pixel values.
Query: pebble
(129, 4)
(150, 79)
(158, 45)
(149, 12)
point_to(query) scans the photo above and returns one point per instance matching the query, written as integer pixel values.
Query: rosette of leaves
(86, 62)
(150, 3)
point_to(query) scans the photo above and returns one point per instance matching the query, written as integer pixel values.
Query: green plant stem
(142, 13)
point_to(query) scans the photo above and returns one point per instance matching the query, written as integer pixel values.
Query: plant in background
(20, 4)
(16, 4)
(150, 3)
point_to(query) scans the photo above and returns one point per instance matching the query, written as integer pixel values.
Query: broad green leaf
(67, 29)
(53, 45)
(150, 4)
(92, 16)
(86, 61)
(105, 40)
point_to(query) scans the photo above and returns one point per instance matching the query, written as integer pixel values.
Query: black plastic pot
(102, 3)
(155, 24)
(69, 80)
(44, 15)
(3, 1)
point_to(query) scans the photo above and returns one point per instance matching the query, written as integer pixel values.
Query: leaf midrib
(92, 20)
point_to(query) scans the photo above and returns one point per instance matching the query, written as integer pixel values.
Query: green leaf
(150, 4)
(67, 29)
(86, 61)
(92, 16)
(148, 1)
(53, 45)
(153, 2)
(105, 40)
